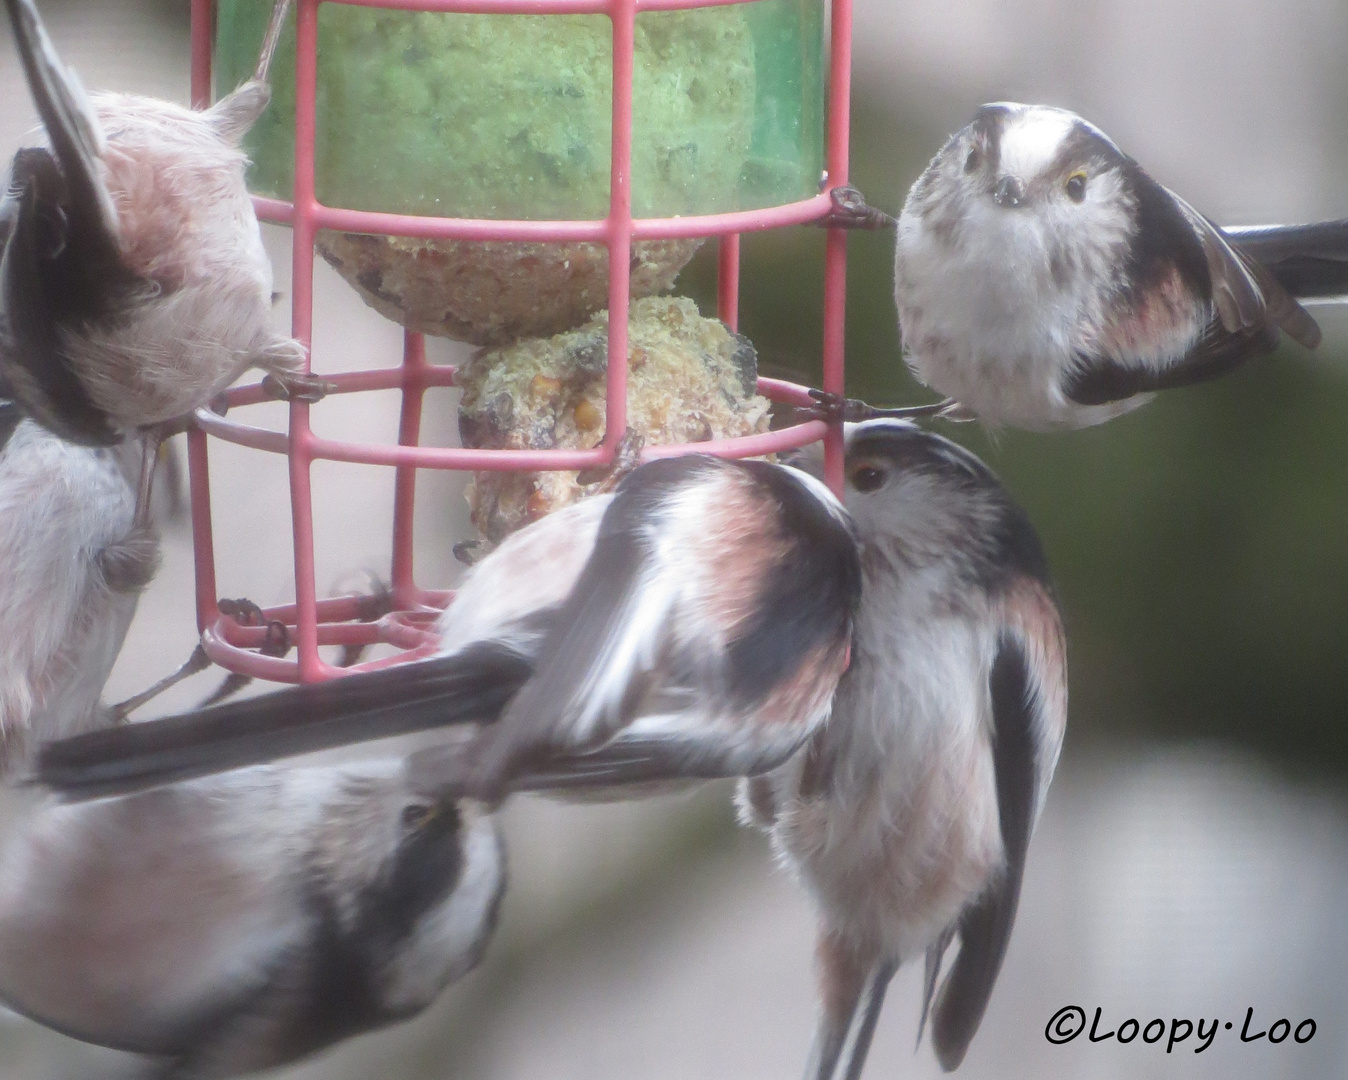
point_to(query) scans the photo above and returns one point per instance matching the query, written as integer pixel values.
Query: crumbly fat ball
(493, 293)
(689, 380)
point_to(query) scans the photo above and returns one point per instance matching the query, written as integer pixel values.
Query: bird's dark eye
(1076, 186)
(973, 160)
(867, 478)
(415, 815)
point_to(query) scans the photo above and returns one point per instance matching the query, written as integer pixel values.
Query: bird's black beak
(1010, 192)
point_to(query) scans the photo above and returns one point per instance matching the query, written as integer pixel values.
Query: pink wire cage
(312, 622)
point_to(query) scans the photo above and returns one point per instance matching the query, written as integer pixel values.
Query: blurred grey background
(1193, 857)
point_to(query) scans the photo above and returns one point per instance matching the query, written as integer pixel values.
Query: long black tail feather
(62, 267)
(67, 117)
(1309, 261)
(469, 686)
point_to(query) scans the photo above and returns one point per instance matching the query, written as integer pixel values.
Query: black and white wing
(1187, 257)
(1028, 685)
(1247, 297)
(62, 260)
(72, 127)
(707, 616)
(709, 627)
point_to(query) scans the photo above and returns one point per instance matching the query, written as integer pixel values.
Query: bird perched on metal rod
(237, 923)
(703, 611)
(73, 561)
(134, 287)
(1044, 280)
(908, 815)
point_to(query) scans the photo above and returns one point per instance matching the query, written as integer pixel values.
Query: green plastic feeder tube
(508, 116)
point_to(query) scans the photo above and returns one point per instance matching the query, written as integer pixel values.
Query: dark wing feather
(931, 973)
(612, 654)
(469, 686)
(10, 415)
(811, 598)
(591, 626)
(1309, 261)
(633, 762)
(62, 268)
(9, 210)
(1246, 295)
(1098, 380)
(985, 927)
(42, 288)
(69, 120)
(1250, 305)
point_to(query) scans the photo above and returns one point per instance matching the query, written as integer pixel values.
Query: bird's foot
(957, 413)
(243, 611)
(371, 607)
(297, 387)
(377, 603)
(626, 457)
(837, 409)
(851, 211)
(150, 440)
(275, 644)
(465, 551)
(246, 613)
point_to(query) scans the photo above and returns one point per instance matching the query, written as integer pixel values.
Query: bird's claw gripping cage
(408, 611)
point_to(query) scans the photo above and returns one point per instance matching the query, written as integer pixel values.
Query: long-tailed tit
(703, 611)
(908, 815)
(237, 923)
(134, 286)
(1044, 280)
(72, 562)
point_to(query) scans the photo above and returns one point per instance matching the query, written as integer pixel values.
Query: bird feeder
(498, 130)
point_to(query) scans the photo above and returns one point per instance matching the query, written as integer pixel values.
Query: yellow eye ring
(1076, 185)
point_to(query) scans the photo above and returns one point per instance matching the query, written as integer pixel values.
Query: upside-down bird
(237, 923)
(908, 815)
(134, 287)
